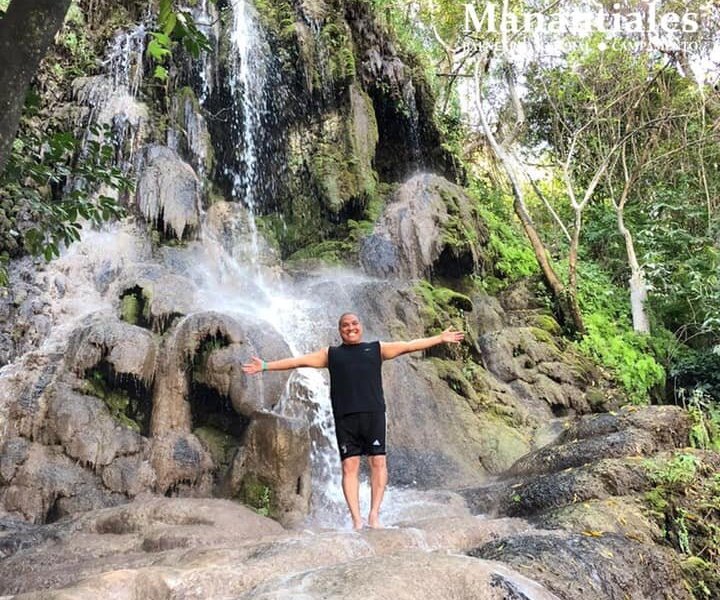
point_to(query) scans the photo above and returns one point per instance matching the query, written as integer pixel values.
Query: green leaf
(160, 73)
(159, 47)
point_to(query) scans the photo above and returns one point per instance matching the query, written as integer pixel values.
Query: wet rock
(236, 340)
(407, 575)
(182, 465)
(603, 479)
(84, 428)
(153, 297)
(275, 459)
(230, 224)
(128, 349)
(593, 568)
(107, 103)
(416, 233)
(168, 193)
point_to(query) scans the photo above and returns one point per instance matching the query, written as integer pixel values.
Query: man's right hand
(254, 366)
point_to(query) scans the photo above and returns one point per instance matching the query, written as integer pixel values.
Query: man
(358, 402)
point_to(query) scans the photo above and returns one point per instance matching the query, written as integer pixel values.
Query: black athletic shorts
(361, 434)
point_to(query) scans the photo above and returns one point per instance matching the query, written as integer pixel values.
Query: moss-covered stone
(221, 445)
(123, 407)
(258, 495)
(135, 306)
(459, 381)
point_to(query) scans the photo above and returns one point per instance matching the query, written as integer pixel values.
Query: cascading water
(232, 280)
(224, 280)
(112, 99)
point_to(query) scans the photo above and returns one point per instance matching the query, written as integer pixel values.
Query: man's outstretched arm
(390, 350)
(317, 360)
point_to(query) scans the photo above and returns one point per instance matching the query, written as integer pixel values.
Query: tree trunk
(638, 285)
(26, 32)
(567, 317)
(571, 294)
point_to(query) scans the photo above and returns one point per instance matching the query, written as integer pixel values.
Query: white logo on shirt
(376, 443)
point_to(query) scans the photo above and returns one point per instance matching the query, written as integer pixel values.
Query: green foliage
(341, 58)
(175, 27)
(48, 189)
(610, 339)
(511, 255)
(696, 370)
(625, 353)
(685, 505)
(705, 418)
(442, 307)
(676, 473)
(258, 495)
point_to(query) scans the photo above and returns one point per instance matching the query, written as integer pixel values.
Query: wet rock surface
(577, 566)
(414, 235)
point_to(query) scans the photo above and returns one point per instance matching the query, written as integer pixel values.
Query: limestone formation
(272, 469)
(129, 350)
(168, 193)
(152, 296)
(220, 342)
(428, 225)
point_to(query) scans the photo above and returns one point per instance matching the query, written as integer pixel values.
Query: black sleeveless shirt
(356, 378)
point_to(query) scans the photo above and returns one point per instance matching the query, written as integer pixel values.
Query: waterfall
(231, 274)
(112, 99)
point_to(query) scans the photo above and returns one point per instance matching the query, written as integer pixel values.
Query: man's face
(350, 329)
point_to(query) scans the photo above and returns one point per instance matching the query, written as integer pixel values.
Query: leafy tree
(27, 30)
(51, 185)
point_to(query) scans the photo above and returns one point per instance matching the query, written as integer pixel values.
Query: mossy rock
(221, 445)
(547, 323)
(702, 578)
(119, 402)
(257, 495)
(461, 381)
(502, 444)
(135, 306)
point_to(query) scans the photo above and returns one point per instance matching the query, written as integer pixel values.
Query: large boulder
(271, 471)
(129, 350)
(429, 225)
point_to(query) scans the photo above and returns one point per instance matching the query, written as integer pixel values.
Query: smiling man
(358, 402)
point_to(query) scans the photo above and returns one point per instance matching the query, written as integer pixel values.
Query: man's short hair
(345, 314)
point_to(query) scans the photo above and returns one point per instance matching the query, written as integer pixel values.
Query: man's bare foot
(374, 521)
(357, 525)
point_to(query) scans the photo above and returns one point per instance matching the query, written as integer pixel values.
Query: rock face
(587, 488)
(168, 193)
(120, 416)
(428, 226)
